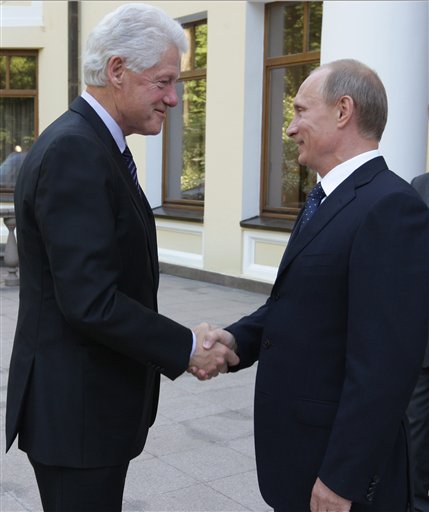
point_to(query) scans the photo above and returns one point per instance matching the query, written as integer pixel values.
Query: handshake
(215, 350)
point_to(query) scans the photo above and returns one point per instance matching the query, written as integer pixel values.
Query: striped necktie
(129, 161)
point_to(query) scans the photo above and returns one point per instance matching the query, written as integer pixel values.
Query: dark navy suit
(418, 410)
(340, 343)
(89, 345)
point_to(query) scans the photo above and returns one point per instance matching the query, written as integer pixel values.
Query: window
(184, 131)
(18, 113)
(292, 50)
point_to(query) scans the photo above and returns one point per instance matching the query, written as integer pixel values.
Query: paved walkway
(199, 455)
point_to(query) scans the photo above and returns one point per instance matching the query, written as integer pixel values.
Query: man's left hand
(325, 500)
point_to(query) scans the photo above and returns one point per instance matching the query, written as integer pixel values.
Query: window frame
(7, 193)
(272, 63)
(194, 205)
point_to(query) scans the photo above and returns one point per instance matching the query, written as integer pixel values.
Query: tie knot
(311, 204)
(317, 193)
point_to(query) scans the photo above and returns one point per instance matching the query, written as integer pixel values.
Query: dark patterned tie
(129, 161)
(311, 204)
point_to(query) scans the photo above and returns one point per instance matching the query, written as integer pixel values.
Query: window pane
(186, 143)
(288, 182)
(186, 64)
(286, 31)
(194, 119)
(22, 72)
(16, 136)
(201, 46)
(315, 28)
(3, 72)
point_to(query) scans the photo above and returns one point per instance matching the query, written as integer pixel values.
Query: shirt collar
(107, 119)
(342, 171)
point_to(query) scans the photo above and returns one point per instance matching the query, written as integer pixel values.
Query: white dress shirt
(107, 119)
(338, 174)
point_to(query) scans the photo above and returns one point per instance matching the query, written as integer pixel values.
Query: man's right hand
(217, 344)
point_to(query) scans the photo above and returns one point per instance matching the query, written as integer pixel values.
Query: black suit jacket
(89, 345)
(421, 184)
(339, 343)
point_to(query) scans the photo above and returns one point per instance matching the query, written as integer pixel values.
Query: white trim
(153, 164)
(254, 270)
(252, 118)
(187, 259)
(21, 16)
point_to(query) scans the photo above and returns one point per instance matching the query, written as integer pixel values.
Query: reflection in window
(184, 133)
(293, 50)
(18, 94)
(16, 135)
(22, 72)
(288, 182)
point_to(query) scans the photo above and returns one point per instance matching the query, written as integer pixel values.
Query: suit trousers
(65, 489)
(418, 414)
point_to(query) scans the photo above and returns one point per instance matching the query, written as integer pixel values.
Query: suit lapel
(143, 207)
(141, 204)
(145, 211)
(333, 204)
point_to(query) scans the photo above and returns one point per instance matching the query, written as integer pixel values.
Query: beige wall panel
(51, 40)
(224, 136)
(53, 62)
(179, 241)
(183, 242)
(93, 10)
(268, 254)
(262, 253)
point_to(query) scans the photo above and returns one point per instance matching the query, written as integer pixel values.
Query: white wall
(392, 38)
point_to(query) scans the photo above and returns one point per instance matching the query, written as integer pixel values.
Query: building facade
(222, 178)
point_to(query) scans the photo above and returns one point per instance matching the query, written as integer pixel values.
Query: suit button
(267, 344)
(371, 488)
(276, 296)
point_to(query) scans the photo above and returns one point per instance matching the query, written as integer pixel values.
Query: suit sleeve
(387, 331)
(76, 213)
(248, 333)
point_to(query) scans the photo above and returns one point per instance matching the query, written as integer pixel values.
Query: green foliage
(201, 46)
(194, 119)
(22, 72)
(297, 180)
(194, 124)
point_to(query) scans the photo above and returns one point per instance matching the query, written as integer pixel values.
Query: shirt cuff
(194, 344)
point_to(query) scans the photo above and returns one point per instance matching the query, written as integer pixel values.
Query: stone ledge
(215, 278)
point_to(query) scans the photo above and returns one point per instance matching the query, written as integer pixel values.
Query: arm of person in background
(224, 346)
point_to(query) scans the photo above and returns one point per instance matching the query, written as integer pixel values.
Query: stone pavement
(199, 455)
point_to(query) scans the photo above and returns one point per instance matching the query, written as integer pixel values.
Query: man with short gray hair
(341, 338)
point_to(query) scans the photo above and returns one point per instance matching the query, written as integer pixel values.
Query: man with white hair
(90, 345)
